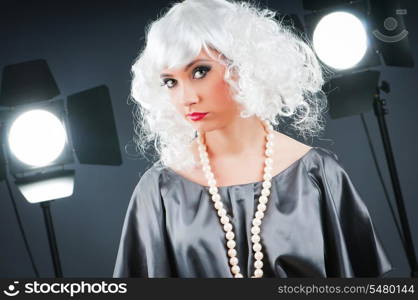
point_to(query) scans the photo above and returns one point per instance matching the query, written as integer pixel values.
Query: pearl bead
(257, 247)
(256, 222)
(258, 273)
(233, 261)
(258, 255)
(265, 192)
(204, 160)
(212, 182)
(218, 205)
(202, 147)
(213, 190)
(255, 230)
(238, 275)
(222, 212)
(263, 199)
(235, 269)
(266, 184)
(224, 220)
(270, 137)
(258, 264)
(207, 168)
(267, 176)
(209, 176)
(232, 252)
(255, 238)
(261, 207)
(267, 169)
(270, 144)
(259, 215)
(231, 244)
(230, 235)
(228, 227)
(269, 152)
(216, 197)
(269, 161)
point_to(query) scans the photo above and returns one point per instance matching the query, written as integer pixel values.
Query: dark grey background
(95, 42)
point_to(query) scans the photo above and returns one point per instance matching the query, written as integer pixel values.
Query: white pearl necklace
(224, 219)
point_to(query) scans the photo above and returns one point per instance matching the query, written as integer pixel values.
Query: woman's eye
(200, 72)
(169, 83)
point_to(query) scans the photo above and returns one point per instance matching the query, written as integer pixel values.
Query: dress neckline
(295, 163)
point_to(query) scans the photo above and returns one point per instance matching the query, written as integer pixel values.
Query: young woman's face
(200, 88)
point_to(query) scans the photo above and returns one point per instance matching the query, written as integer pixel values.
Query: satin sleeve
(352, 245)
(143, 249)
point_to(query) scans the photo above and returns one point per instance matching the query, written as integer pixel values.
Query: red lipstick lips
(196, 116)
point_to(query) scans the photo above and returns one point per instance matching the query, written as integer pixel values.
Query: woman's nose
(189, 95)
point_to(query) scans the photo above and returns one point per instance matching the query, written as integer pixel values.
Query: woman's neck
(240, 138)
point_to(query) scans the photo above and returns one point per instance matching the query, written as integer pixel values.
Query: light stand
(380, 112)
(47, 218)
(51, 238)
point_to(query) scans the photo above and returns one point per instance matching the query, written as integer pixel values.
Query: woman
(230, 196)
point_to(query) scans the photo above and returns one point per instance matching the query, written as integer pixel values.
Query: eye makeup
(170, 82)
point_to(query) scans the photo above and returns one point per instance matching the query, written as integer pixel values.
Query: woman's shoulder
(317, 161)
(149, 179)
(290, 150)
(287, 150)
(157, 175)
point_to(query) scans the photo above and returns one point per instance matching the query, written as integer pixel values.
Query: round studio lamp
(340, 40)
(37, 138)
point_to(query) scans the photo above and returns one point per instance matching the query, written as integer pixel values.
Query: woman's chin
(204, 127)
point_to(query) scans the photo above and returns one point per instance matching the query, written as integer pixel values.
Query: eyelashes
(168, 82)
(202, 69)
(198, 73)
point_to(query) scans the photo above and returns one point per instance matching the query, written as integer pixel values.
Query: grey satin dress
(315, 225)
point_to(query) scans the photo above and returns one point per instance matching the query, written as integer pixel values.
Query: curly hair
(279, 74)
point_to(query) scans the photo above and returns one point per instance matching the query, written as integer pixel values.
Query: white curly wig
(279, 74)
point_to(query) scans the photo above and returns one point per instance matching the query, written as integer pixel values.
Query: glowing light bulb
(37, 138)
(340, 40)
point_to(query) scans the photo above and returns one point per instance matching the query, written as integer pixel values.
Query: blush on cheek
(221, 91)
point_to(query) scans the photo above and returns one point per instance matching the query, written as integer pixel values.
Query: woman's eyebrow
(186, 68)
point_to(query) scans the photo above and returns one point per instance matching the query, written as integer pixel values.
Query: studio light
(36, 140)
(350, 37)
(37, 137)
(340, 40)
(40, 137)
